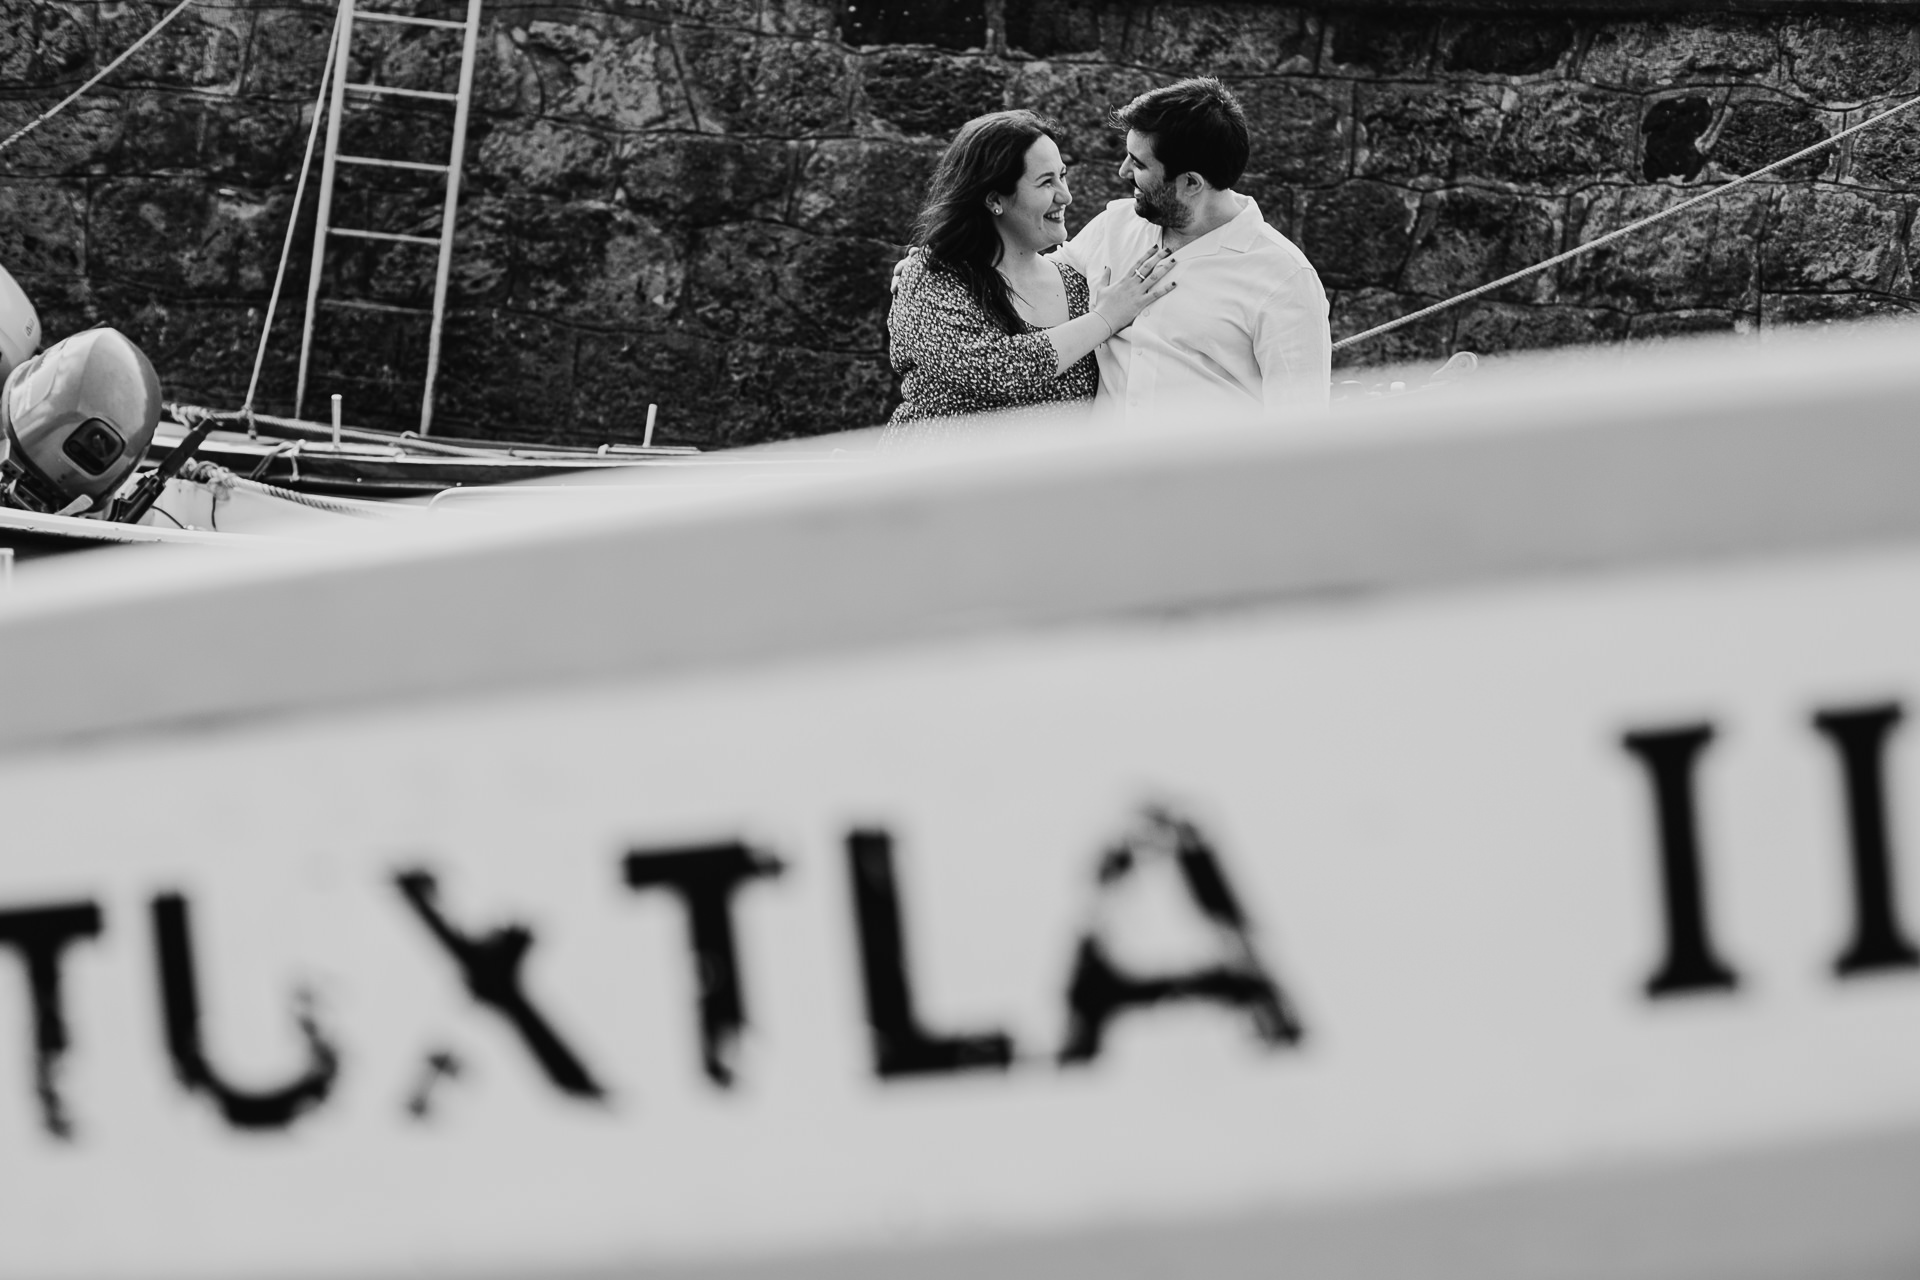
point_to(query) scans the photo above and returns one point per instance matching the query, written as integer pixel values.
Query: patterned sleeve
(938, 328)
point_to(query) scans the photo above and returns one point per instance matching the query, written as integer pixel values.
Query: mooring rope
(293, 220)
(103, 73)
(1627, 230)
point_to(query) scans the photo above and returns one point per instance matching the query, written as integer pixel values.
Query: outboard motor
(74, 421)
(19, 325)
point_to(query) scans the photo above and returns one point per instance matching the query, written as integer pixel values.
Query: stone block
(1222, 39)
(1063, 28)
(1691, 49)
(767, 85)
(1827, 239)
(395, 275)
(1888, 155)
(481, 273)
(1653, 326)
(377, 363)
(942, 24)
(1550, 135)
(1081, 97)
(79, 140)
(1359, 233)
(1489, 328)
(410, 208)
(42, 227)
(456, 10)
(784, 286)
(617, 73)
(136, 228)
(508, 74)
(703, 179)
(426, 59)
(777, 393)
(1426, 133)
(926, 94)
(521, 155)
(1354, 311)
(595, 265)
(1560, 136)
(66, 293)
(743, 15)
(1852, 58)
(503, 376)
(863, 188)
(382, 271)
(1508, 45)
(1785, 310)
(487, 250)
(617, 375)
(288, 52)
(1706, 257)
(813, 19)
(1467, 237)
(254, 144)
(202, 48)
(46, 44)
(1301, 130)
(397, 129)
(1381, 42)
(1755, 130)
(1278, 199)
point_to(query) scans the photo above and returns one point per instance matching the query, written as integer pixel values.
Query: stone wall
(697, 202)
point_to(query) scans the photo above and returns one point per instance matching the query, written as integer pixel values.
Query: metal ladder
(332, 158)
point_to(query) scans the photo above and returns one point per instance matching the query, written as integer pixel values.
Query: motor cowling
(76, 419)
(19, 325)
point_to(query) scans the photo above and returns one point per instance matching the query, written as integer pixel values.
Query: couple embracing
(1179, 304)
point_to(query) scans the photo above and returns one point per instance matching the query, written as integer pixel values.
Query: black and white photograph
(965, 640)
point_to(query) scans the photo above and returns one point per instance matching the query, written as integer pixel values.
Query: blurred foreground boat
(1469, 840)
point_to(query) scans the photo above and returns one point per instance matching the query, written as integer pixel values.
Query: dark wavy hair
(1197, 126)
(987, 156)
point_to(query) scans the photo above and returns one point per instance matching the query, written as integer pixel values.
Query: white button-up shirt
(1246, 329)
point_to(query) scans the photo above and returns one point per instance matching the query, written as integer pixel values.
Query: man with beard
(1247, 327)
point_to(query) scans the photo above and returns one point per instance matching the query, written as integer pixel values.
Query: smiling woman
(983, 322)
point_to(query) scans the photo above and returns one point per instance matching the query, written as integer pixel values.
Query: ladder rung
(351, 304)
(405, 20)
(405, 93)
(383, 235)
(392, 164)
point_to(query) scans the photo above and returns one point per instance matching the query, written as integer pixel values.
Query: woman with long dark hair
(983, 321)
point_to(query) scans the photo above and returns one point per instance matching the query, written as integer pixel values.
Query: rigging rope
(103, 73)
(1629, 229)
(293, 220)
(215, 476)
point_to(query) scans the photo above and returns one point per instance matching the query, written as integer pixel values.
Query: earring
(994, 209)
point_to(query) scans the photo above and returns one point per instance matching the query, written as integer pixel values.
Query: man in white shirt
(1246, 330)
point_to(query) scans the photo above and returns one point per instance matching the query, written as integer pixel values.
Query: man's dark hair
(1197, 126)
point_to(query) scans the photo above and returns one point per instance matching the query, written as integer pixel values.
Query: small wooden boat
(311, 458)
